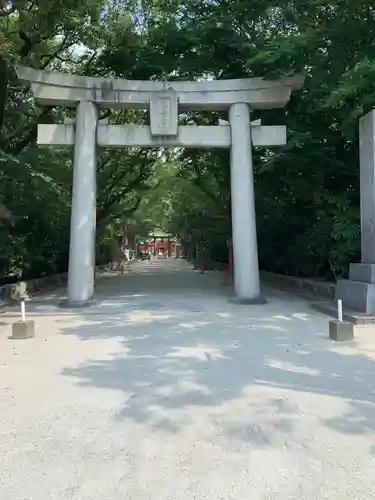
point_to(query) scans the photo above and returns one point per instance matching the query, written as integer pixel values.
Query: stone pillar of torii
(164, 100)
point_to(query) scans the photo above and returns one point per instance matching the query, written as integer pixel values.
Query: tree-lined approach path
(166, 391)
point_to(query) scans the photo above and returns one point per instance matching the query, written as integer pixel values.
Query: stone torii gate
(164, 100)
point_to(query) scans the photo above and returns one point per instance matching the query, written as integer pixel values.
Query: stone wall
(307, 287)
(302, 286)
(209, 265)
(32, 287)
(26, 288)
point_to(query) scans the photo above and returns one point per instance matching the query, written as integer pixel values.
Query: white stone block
(58, 135)
(268, 136)
(23, 330)
(223, 123)
(164, 113)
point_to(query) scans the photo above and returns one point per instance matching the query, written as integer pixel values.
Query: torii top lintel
(61, 89)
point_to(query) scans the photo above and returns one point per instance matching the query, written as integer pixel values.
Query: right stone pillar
(358, 292)
(245, 248)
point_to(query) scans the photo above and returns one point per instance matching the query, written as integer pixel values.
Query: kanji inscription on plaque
(164, 113)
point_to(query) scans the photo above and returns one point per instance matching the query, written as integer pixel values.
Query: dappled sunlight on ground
(167, 381)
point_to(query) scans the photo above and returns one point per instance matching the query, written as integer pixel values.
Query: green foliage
(109, 250)
(307, 193)
(36, 182)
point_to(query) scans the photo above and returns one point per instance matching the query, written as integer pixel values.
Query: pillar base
(362, 272)
(260, 300)
(23, 330)
(341, 331)
(356, 295)
(67, 304)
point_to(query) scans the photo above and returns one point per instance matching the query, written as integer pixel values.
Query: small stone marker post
(340, 330)
(22, 329)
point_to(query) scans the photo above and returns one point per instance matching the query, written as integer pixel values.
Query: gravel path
(165, 391)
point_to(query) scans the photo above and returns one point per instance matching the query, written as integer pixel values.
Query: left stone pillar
(81, 274)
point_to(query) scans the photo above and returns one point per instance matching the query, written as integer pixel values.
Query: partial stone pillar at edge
(358, 292)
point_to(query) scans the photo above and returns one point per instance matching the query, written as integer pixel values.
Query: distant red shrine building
(159, 244)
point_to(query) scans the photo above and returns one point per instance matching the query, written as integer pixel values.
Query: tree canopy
(307, 193)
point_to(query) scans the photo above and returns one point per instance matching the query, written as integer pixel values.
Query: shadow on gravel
(189, 351)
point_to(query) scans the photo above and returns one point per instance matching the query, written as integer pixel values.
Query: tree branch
(135, 207)
(28, 43)
(109, 201)
(102, 217)
(117, 179)
(64, 45)
(19, 146)
(7, 12)
(102, 163)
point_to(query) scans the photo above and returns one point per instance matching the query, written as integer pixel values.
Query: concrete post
(245, 249)
(83, 217)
